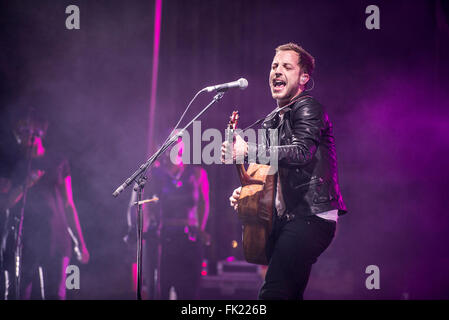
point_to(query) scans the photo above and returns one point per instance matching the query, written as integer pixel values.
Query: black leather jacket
(307, 162)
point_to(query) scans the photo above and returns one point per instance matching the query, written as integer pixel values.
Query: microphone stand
(19, 233)
(140, 184)
(140, 176)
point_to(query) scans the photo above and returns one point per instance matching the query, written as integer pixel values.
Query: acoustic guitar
(255, 205)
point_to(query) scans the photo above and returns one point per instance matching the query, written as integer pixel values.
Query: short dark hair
(306, 61)
(24, 117)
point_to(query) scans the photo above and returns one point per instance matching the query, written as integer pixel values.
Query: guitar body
(255, 210)
(255, 204)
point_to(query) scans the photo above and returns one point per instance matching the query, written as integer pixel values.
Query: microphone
(241, 83)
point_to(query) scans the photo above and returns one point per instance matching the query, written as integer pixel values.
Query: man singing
(308, 200)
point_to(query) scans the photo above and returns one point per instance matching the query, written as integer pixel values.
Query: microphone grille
(243, 83)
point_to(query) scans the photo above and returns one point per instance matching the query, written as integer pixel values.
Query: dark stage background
(385, 91)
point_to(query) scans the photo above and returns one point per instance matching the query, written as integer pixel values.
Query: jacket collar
(272, 120)
(287, 107)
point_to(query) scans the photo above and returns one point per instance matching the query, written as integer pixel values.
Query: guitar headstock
(233, 120)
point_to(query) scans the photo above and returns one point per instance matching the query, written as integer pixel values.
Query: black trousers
(292, 248)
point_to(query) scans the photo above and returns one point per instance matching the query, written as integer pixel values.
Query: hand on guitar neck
(239, 150)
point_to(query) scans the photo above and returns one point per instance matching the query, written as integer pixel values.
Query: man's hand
(235, 197)
(239, 150)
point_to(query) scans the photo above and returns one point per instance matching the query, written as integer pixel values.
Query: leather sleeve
(308, 124)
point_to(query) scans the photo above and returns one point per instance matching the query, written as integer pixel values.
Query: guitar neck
(245, 179)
